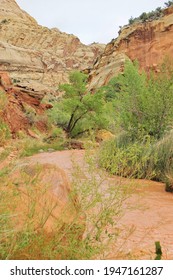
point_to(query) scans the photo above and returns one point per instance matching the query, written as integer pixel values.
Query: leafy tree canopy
(79, 110)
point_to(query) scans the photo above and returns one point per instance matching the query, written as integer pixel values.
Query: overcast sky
(90, 20)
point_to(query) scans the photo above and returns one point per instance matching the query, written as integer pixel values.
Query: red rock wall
(13, 113)
(149, 42)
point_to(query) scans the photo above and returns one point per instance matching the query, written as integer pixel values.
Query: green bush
(142, 105)
(128, 159)
(144, 160)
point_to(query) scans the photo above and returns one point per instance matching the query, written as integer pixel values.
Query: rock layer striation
(42, 56)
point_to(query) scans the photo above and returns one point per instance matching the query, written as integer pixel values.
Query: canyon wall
(36, 56)
(148, 42)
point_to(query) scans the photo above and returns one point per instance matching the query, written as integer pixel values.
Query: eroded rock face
(30, 52)
(147, 42)
(14, 112)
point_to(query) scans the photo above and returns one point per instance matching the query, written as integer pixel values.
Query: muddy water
(148, 219)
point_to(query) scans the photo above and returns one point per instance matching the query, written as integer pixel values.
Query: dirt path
(152, 221)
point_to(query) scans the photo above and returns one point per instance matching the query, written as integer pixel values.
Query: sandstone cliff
(148, 42)
(38, 55)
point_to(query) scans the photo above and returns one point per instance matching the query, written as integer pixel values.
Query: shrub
(147, 159)
(133, 95)
(128, 159)
(164, 164)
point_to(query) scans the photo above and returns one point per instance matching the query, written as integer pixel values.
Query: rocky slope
(19, 100)
(148, 42)
(38, 55)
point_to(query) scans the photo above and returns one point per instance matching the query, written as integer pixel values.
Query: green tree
(79, 110)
